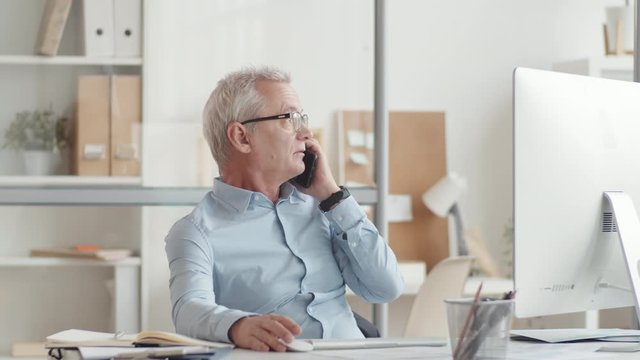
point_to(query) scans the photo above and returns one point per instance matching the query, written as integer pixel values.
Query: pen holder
(479, 331)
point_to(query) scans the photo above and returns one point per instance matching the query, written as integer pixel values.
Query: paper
(76, 338)
(519, 350)
(399, 208)
(356, 138)
(564, 335)
(369, 141)
(104, 352)
(359, 158)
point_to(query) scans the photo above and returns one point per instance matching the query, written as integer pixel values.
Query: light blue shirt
(237, 254)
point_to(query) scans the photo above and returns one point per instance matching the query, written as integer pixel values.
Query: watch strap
(334, 199)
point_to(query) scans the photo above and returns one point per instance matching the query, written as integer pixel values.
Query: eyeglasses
(296, 119)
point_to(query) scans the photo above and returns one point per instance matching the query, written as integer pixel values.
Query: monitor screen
(575, 137)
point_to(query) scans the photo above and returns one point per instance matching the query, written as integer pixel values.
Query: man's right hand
(263, 332)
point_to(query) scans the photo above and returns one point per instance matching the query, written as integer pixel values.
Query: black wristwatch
(335, 198)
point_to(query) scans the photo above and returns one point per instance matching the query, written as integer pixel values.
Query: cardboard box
(91, 153)
(126, 116)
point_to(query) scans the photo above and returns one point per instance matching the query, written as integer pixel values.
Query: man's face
(279, 149)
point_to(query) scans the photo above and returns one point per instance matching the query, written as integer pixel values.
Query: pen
(467, 322)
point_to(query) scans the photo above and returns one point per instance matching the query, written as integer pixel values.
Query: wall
(459, 56)
(455, 57)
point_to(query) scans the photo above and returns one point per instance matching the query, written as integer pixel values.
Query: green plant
(37, 130)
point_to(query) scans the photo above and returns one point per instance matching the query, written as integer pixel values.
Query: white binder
(98, 27)
(127, 17)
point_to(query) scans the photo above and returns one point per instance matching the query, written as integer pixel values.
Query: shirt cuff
(346, 214)
(222, 329)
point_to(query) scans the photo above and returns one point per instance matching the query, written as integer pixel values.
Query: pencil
(467, 322)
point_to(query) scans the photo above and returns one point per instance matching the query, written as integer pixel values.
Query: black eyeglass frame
(304, 118)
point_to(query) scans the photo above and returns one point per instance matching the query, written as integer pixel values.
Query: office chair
(368, 329)
(428, 315)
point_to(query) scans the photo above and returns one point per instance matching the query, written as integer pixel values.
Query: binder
(127, 17)
(126, 116)
(92, 126)
(54, 19)
(98, 26)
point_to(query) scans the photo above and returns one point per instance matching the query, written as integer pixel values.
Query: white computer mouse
(298, 345)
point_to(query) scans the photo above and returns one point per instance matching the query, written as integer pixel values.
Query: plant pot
(40, 162)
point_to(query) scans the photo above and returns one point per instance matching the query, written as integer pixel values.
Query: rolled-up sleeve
(193, 302)
(367, 263)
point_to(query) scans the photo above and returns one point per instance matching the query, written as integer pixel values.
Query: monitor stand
(628, 226)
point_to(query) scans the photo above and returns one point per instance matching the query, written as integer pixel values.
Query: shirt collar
(240, 198)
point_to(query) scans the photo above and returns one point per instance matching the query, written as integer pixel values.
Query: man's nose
(304, 133)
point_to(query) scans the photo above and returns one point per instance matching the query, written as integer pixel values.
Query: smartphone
(306, 177)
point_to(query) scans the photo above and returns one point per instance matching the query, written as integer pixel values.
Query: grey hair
(235, 98)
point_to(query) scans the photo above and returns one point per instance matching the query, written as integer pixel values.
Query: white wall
(458, 56)
(447, 56)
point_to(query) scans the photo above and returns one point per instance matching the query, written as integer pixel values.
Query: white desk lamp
(442, 199)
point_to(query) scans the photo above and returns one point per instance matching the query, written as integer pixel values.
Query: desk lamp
(442, 199)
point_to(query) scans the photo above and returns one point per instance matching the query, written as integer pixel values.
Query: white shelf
(611, 67)
(15, 261)
(68, 180)
(67, 60)
(124, 195)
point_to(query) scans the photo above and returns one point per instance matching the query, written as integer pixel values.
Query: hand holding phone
(306, 177)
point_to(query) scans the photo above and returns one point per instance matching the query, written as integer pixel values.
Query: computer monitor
(575, 138)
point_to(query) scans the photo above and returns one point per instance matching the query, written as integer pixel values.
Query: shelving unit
(610, 67)
(16, 261)
(41, 296)
(67, 60)
(68, 180)
(123, 196)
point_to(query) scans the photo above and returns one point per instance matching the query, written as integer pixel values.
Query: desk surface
(518, 350)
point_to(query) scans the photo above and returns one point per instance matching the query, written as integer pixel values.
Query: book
(73, 338)
(54, 19)
(164, 338)
(99, 254)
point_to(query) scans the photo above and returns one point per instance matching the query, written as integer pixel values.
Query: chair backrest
(368, 329)
(428, 316)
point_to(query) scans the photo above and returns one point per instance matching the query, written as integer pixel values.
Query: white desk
(517, 351)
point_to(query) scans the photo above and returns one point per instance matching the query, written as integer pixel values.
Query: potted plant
(41, 135)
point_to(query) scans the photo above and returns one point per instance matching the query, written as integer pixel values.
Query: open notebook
(372, 343)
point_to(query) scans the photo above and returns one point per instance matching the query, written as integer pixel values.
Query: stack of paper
(76, 344)
(566, 335)
(83, 338)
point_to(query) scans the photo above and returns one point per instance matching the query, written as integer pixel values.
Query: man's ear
(238, 137)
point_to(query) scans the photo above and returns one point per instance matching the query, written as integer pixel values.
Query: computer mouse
(298, 345)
